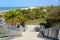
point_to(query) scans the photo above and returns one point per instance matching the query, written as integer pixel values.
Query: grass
(42, 20)
(35, 22)
(32, 22)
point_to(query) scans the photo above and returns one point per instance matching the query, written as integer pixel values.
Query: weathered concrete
(31, 28)
(29, 36)
(51, 32)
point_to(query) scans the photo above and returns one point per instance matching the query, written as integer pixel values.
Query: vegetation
(13, 16)
(30, 15)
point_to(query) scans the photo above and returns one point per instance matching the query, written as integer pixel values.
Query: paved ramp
(28, 36)
(31, 28)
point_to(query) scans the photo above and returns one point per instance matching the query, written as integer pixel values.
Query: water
(9, 8)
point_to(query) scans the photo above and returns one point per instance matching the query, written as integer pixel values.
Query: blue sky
(27, 3)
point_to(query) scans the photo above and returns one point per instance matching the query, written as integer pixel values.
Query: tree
(9, 16)
(14, 16)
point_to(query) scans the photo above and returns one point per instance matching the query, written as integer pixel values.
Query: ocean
(9, 8)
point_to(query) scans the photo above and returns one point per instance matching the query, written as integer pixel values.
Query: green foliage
(37, 13)
(54, 13)
(14, 16)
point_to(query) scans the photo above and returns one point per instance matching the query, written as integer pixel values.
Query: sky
(28, 3)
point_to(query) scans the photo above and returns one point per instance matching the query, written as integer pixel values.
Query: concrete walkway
(28, 36)
(31, 28)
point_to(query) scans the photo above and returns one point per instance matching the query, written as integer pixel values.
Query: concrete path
(28, 36)
(30, 28)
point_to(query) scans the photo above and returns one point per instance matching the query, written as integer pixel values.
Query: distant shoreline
(9, 8)
(4, 9)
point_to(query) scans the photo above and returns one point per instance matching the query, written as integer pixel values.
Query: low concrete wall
(51, 32)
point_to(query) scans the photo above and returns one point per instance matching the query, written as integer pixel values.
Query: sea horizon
(10, 8)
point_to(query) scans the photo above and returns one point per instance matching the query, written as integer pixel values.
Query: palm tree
(10, 15)
(14, 16)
